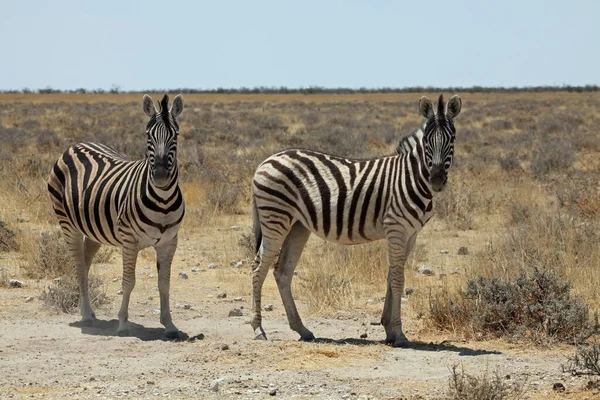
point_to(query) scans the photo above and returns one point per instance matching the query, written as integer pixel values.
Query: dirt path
(48, 355)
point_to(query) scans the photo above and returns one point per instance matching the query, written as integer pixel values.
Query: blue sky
(139, 45)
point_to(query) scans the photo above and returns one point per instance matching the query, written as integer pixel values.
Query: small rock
(463, 251)
(426, 270)
(222, 295)
(28, 299)
(199, 336)
(375, 322)
(120, 291)
(150, 298)
(272, 392)
(150, 382)
(236, 312)
(56, 280)
(151, 276)
(364, 335)
(183, 275)
(408, 291)
(235, 228)
(196, 270)
(224, 346)
(214, 385)
(237, 264)
(558, 387)
(444, 252)
(187, 306)
(15, 283)
(238, 299)
(268, 307)
(212, 265)
(115, 280)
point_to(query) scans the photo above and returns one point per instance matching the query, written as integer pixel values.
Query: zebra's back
(341, 200)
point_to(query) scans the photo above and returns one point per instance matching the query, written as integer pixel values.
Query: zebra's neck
(164, 193)
(413, 150)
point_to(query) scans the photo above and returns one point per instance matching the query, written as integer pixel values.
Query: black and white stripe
(100, 198)
(296, 192)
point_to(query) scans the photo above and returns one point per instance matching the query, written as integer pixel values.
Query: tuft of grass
(463, 386)
(456, 205)
(8, 237)
(585, 361)
(535, 306)
(47, 255)
(63, 294)
(334, 276)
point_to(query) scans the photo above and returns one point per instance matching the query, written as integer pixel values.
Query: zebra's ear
(148, 106)
(177, 106)
(426, 107)
(453, 106)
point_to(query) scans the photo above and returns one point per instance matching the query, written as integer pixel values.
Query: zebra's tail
(256, 230)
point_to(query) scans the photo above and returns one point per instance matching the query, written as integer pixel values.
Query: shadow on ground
(414, 345)
(109, 328)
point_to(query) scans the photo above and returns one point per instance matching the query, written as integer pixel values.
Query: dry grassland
(523, 193)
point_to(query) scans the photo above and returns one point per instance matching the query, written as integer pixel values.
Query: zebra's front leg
(387, 307)
(164, 258)
(391, 318)
(130, 252)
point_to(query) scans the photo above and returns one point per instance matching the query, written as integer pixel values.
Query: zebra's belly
(346, 237)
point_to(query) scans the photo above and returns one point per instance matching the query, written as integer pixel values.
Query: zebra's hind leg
(164, 257)
(130, 252)
(75, 243)
(284, 272)
(90, 248)
(269, 248)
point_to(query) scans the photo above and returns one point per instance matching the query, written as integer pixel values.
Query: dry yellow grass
(500, 139)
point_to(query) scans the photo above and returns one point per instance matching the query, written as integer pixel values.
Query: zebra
(100, 197)
(296, 192)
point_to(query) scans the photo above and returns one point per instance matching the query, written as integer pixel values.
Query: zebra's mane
(406, 145)
(164, 108)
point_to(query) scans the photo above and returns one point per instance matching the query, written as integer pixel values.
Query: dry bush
(63, 294)
(4, 279)
(556, 156)
(8, 238)
(509, 163)
(47, 255)
(463, 386)
(535, 306)
(585, 361)
(333, 276)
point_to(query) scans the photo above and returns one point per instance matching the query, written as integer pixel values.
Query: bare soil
(48, 355)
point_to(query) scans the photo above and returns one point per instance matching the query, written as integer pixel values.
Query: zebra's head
(162, 131)
(438, 140)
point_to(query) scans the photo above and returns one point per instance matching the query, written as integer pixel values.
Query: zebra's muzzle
(160, 176)
(438, 178)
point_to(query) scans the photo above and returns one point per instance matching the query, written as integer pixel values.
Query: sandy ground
(48, 355)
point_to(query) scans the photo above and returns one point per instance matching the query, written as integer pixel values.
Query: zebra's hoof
(401, 343)
(259, 334)
(307, 336)
(173, 335)
(123, 332)
(87, 321)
